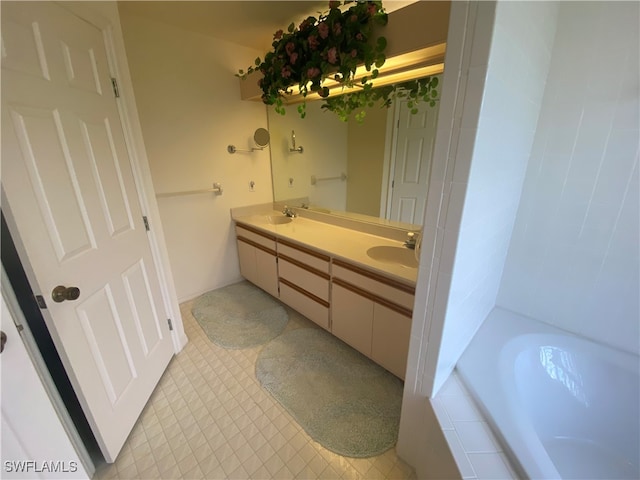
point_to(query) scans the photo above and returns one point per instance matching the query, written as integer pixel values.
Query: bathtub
(563, 406)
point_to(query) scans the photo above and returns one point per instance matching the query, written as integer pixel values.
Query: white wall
(190, 110)
(573, 260)
(498, 56)
(519, 60)
(468, 42)
(597, 117)
(366, 152)
(324, 138)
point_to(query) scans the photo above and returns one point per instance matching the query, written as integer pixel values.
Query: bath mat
(239, 316)
(342, 399)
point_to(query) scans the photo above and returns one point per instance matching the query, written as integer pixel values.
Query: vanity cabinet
(367, 310)
(372, 313)
(304, 281)
(258, 258)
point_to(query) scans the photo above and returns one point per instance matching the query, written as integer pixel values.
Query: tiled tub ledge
(475, 449)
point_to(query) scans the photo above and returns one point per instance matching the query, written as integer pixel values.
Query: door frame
(391, 142)
(40, 363)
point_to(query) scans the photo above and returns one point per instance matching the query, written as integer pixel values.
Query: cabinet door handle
(3, 340)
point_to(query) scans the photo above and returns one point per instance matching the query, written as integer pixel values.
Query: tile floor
(209, 418)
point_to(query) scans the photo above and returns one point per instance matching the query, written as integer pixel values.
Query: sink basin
(278, 219)
(394, 255)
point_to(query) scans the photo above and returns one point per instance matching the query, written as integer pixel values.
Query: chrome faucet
(289, 212)
(410, 242)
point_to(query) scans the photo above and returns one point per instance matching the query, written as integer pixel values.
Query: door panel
(45, 151)
(145, 317)
(81, 68)
(101, 152)
(73, 202)
(22, 49)
(99, 319)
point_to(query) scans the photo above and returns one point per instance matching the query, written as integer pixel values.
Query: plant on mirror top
(325, 51)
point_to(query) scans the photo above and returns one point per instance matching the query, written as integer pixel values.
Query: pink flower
(293, 57)
(313, 42)
(354, 52)
(285, 72)
(289, 48)
(323, 30)
(372, 9)
(337, 29)
(278, 35)
(353, 18)
(332, 55)
(359, 37)
(313, 72)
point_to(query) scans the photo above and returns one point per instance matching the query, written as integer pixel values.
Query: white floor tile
(210, 418)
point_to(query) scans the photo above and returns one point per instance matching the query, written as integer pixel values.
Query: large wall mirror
(375, 170)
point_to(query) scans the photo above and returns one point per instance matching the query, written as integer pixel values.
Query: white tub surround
(476, 452)
(324, 272)
(566, 407)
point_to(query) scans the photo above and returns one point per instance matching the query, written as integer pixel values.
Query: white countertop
(338, 242)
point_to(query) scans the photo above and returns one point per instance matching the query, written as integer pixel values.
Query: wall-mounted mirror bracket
(233, 149)
(260, 137)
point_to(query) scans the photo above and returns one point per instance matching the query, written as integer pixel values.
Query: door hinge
(393, 183)
(116, 90)
(146, 223)
(40, 301)
(170, 324)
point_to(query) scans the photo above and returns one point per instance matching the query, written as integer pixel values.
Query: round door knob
(61, 293)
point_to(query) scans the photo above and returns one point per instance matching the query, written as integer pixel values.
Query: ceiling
(245, 22)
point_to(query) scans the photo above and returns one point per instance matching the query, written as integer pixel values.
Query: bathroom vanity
(355, 281)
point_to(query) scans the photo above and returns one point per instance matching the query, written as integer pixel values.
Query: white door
(415, 137)
(74, 207)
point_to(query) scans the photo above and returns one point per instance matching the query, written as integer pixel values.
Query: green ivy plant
(415, 91)
(332, 46)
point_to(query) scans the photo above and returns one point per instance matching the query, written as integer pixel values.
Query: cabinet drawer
(385, 288)
(307, 306)
(256, 238)
(307, 256)
(309, 280)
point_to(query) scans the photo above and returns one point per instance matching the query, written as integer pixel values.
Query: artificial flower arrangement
(332, 46)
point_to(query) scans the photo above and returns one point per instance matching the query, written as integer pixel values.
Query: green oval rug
(342, 399)
(239, 316)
